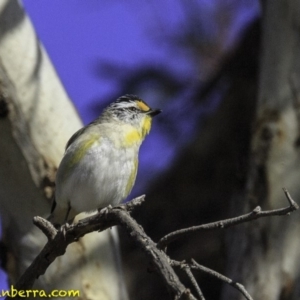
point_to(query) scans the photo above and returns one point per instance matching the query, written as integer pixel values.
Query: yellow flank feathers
(142, 106)
(81, 151)
(131, 178)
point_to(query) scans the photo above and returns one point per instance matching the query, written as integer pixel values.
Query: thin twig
(291, 201)
(46, 227)
(187, 269)
(255, 214)
(194, 265)
(131, 205)
(221, 277)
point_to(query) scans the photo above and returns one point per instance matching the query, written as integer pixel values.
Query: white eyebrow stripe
(124, 105)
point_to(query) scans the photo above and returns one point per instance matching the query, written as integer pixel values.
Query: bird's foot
(63, 229)
(121, 206)
(104, 210)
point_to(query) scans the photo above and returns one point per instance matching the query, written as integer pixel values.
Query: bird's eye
(133, 109)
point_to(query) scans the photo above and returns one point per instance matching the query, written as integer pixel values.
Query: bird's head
(132, 110)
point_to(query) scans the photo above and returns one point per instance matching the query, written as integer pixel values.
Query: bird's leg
(64, 228)
(104, 211)
(66, 224)
(67, 214)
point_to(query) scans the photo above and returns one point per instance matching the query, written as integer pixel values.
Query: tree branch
(255, 214)
(194, 265)
(187, 269)
(59, 240)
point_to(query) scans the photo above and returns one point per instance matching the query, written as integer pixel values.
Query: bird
(100, 162)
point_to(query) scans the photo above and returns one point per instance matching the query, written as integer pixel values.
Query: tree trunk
(36, 120)
(264, 255)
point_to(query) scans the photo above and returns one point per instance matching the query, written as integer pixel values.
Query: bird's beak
(153, 112)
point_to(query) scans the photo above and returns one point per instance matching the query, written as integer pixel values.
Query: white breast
(98, 180)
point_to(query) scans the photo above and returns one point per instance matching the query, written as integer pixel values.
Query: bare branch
(255, 214)
(46, 227)
(194, 265)
(221, 277)
(291, 201)
(59, 240)
(187, 269)
(131, 205)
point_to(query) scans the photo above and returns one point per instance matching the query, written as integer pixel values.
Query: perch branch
(59, 240)
(255, 214)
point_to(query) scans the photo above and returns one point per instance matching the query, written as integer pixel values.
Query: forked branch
(58, 240)
(255, 214)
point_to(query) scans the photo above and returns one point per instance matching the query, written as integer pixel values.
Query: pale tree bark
(265, 256)
(37, 118)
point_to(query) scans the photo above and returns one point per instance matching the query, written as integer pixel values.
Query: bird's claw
(63, 229)
(122, 207)
(105, 209)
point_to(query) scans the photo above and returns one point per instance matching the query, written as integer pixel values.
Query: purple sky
(79, 34)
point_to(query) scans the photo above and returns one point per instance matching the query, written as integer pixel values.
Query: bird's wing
(75, 136)
(79, 132)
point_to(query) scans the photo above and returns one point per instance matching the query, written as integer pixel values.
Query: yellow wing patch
(142, 106)
(81, 151)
